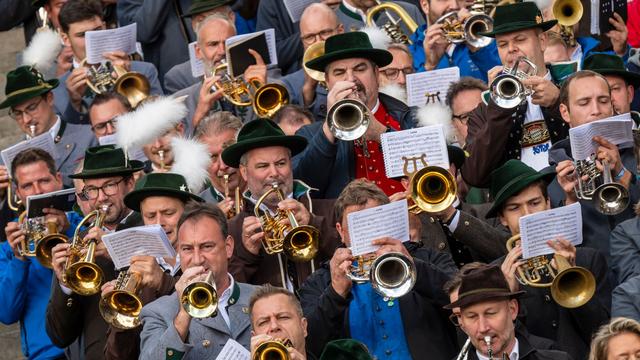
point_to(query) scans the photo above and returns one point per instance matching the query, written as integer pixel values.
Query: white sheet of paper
(101, 41)
(430, 82)
(390, 220)
(295, 8)
(428, 140)
(270, 34)
(616, 129)
(43, 141)
(232, 350)
(148, 240)
(197, 66)
(134, 154)
(536, 229)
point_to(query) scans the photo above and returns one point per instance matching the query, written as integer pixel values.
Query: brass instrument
(237, 203)
(568, 13)
(34, 230)
(487, 340)
(609, 197)
(391, 275)
(349, 119)
(130, 84)
(234, 89)
(464, 352)
(433, 188)
(507, 89)
(121, 306)
(314, 51)
(161, 158)
(46, 244)
(199, 298)
(571, 286)
(273, 350)
(81, 274)
(457, 32)
(392, 27)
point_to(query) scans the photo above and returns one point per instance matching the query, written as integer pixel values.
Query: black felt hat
(516, 17)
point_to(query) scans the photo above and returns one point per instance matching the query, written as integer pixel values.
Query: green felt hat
(345, 349)
(25, 83)
(609, 64)
(160, 184)
(106, 161)
(511, 178)
(261, 133)
(355, 44)
(200, 6)
(516, 17)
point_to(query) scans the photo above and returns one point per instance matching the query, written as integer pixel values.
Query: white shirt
(514, 355)
(55, 128)
(223, 301)
(355, 10)
(577, 55)
(536, 156)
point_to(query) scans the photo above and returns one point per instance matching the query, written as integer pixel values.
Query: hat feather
(378, 37)
(395, 90)
(191, 160)
(149, 121)
(42, 50)
(437, 114)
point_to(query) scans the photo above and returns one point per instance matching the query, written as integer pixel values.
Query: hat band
(507, 185)
(517, 24)
(481, 290)
(44, 85)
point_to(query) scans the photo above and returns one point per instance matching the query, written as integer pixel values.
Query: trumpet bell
(84, 278)
(433, 189)
(507, 91)
(45, 245)
(314, 51)
(134, 86)
(476, 24)
(272, 350)
(348, 119)
(573, 287)
(611, 198)
(567, 12)
(268, 99)
(301, 243)
(200, 299)
(392, 275)
(121, 309)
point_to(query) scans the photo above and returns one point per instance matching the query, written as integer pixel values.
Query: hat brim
(378, 56)
(517, 185)
(507, 28)
(22, 97)
(135, 165)
(630, 77)
(203, 8)
(133, 199)
(481, 297)
(457, 156)
(231, 155)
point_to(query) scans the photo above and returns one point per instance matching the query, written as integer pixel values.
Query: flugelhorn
(391, 275)
(392, 26)
(568, 13)
(121, 306)
(234, 89)
(46, 244)
(348, 119)
(609, 197)
(457, 32)
(34, 230)
(273, 350)
(571, 286)
(507, 89)
(130, 84)
(199, 298)
(81, 274)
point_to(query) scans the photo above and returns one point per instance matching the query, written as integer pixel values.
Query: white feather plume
(191, 160)
(437, 114)
(542, 4)
(395, 90)
(378, 37)
(149, 121)
(42, 50)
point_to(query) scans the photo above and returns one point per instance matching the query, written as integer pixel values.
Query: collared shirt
(514, 355)
(355, 10)
(576, 55)
(223, 301)
(55, 128)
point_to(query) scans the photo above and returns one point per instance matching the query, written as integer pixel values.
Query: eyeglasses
(392, 73)
(109, 189)
(102, 127)
(324, 35)
(31, 110)
(463, 118)
(455, 320)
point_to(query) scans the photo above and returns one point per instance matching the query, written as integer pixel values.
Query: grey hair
(212, 17)
(216, 123)
(400, 47)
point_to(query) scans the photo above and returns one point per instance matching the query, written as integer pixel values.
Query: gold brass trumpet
(130, 84)
(391, 275)
(349, 119)
(47, 243)
(237, 201)
(199, 298)
(268, 98)
(571, 286)
(121, 306)
(314, 51)
(273, 350)
(507, 89)
(81, 274)
(433, 189)
(392, 26)
(457, 32)
(568, 13)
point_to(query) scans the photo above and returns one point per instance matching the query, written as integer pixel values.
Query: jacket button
(385, 337)
(547, 298)
(206, 343)
(432, 220)
(554, 324)
(441, 246)
(466, 223)
(387, 352)
(69, 302)
(170, 352)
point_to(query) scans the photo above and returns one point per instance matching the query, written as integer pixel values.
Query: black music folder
(239, 58)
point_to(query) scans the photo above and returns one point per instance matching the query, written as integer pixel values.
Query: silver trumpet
(609, 197)
(457, 32)
(391, 275)
(348, 119)
(487, 340)
(464, 352)
(507, 89)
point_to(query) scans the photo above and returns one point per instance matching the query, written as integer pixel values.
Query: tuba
(392, 275)
(348, 119)
(571, 286)
(609, 197)
(130, 84)
(392, 26)
(81, 274)
(457, 32)
(273, 350)
(121, 306)
(199, 298)
(507, 89)
(568, 13)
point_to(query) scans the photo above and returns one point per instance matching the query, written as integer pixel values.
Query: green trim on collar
(215, 193)
(235, 295)
(348, 12)
(173, 354)
(63, 126)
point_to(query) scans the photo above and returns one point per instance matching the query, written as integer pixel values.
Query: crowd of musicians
(253, 177)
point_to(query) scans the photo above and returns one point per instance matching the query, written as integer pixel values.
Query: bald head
(319, 12)
(318, 20)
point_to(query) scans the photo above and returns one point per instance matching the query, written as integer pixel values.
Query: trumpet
(433, 189)
(237, 203)
(121, 306)
(464, 352)
(349, 119)
(392, 26)
(391, 275)
(273, 350)
(130, 84)
(457, 32)
(314, 51)
(46, 244)
(568, 13)
(609, 197)
(507, 89)
(571, 286)
(199, 298)
(81, 274)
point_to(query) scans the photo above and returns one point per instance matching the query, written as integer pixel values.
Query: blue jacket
(475, 64)
(26, 286)
(589, 45)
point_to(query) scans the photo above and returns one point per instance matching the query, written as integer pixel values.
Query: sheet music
(232, 350)
(197, 66)
(102, 41)
(428, 140)
(390, 220)
(134, 154)
(148, 240)
(616, 129)
(434, 83)
(43, 141)
(295, 8)
(270, 35)
(536, 229)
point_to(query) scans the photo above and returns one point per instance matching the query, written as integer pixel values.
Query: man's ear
(424, 5)
(502, 219)
(198, 51)
(65, 38)
(564, 112)
(542, 37)
(631, 92)
(243, 172)
(340, 231)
